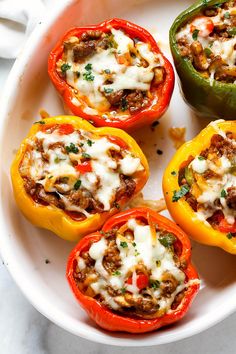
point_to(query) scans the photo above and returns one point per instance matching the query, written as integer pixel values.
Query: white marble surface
(25, 331)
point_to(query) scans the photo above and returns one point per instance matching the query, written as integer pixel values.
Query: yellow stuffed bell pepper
(69, 177)
(199, 186)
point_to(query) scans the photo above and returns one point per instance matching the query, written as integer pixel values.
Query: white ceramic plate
(25, 248)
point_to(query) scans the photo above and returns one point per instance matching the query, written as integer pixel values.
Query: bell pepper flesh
(51, 217)
(216, 101)
(180, 210)
(161, 94)
(112, 321)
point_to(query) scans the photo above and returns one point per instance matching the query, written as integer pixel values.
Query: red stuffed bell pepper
(112, 74)
(135, 275)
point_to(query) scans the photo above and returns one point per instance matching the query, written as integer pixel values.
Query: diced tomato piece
(65, 129)
(84, 167)
(225, 227)
(203, 24)
(142, 281)
(118, 141)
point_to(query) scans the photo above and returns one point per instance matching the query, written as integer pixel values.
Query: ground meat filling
(117, 272)
(79, 172)
(110, 72)
(209, 41)
(208, 183)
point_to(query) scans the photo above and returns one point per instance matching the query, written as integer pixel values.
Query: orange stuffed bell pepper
(112, 74)
(69, 177)
(199, 186)
(135, 275)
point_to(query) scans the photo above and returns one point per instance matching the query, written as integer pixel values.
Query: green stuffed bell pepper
(203, 45)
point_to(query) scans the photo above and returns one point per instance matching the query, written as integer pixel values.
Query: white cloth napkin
(17, 20)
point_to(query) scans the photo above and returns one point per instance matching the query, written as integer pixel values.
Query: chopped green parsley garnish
(117, 272)
(123, 290)
(134, 244)
(154, 284)
(90, 142)
(223, 193)
(201, 158)
(88, 76)
(85, 155)
(124, 104)
(72, 148)
(50, 177)
(232, 31)
(167, 240)
(229, 235)
(173, 173)
(65, 67)
(184, 189)
(57, 160)
(88, 67)
(111, 43)
(207, 51)
(195, 34)
(77, 73)
(227, 14)
(39, 122)
(124, 244)
(77, 184)
(108, 90)
(136, 253)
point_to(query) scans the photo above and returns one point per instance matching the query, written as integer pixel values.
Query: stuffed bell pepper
(200, 186)
(203, 45)
(112, 74)
(135, 274)
(69, 177)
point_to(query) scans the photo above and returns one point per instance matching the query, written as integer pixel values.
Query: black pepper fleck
(47, 261)
(159, 152)
(154, 124)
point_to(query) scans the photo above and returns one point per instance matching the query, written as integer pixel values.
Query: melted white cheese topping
(198, 165)
(131, 76)
(225, 47)
(211, 188)
(144, 249)
(104, 179)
